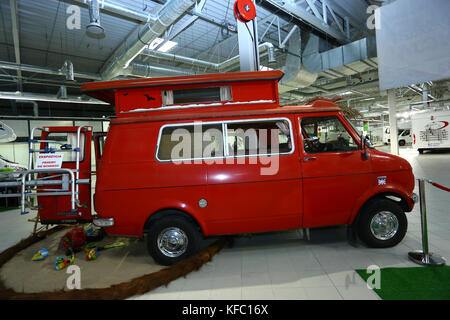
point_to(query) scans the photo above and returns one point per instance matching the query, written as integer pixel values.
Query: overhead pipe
(141, 16)
(46, 97)
(266, 46)
(35, 106)
(111, 7)
(143, 36)
(45, 70)
(146, 71)
(328, 92)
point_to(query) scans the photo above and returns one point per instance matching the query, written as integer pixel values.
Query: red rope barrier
(437, 185)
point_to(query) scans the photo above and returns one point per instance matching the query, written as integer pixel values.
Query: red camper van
(215, 154)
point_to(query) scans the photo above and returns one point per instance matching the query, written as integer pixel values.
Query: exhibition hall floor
(282, 265)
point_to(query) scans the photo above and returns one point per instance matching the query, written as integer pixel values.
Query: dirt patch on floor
(115, 265)
(115, 277)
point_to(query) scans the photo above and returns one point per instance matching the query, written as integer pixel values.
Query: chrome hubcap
(384, 225)
(172, 242)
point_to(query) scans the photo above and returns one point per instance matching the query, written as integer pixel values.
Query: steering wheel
(343, 142)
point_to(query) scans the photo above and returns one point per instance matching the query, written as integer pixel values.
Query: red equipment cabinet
(57, 208)
(325, 173)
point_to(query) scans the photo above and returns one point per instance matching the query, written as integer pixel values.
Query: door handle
(309, 158)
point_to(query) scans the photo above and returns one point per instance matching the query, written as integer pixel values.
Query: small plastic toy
(91, 254)
(92, 250)
(62, 262)
(40, 255)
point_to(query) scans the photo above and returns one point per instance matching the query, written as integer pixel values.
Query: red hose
(437, 185)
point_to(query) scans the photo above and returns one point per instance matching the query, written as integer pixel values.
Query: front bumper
(103, 223)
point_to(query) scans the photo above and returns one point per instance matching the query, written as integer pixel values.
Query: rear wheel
(171, 239)
(382, 224)
(421, 151)
(401, 143)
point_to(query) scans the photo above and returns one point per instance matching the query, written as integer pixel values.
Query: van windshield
(359, 132)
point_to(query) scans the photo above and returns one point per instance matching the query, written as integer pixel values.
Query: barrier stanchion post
(424, 257)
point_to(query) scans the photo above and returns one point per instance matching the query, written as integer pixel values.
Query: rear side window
(187, 142)
(326, 134)
(258, 138)
(242, 138)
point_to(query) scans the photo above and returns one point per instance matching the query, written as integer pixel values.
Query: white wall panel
(413, 42)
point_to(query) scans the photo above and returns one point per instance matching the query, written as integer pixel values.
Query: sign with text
(49, 160)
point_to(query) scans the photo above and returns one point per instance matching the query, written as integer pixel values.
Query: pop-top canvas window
(195, 96)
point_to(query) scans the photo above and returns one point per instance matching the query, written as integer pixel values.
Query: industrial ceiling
(324, 46)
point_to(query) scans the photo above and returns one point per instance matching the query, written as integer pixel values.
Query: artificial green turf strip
(422, 283)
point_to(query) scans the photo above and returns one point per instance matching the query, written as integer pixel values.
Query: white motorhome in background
(7, 134)
(403, 134)
(431, 130)
(9, 170)
(386, 135)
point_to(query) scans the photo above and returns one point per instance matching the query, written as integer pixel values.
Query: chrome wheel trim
(384, 225)
(172, 242)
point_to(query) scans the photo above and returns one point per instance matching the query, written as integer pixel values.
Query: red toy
(74, 239)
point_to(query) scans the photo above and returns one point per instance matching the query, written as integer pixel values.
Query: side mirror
(364, 146)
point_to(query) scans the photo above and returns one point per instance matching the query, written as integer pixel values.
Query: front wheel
(382, 224)
(172, 239)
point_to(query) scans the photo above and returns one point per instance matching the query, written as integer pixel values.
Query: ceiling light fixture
(94, 29)
(166, 47)
(156, 45)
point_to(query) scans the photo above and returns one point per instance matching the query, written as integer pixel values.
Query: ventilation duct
(144, 35)
(295, 75)
(349, 59)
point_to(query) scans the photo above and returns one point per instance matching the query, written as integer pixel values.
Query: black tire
(401, 143)
(421, 151)
(184, 228)
(381, 207)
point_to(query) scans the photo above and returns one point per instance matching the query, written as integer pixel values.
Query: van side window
(326, 134)
(259, 138)
(187, 142)
(67, 141)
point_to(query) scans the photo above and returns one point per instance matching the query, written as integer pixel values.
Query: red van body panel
(306, 190)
